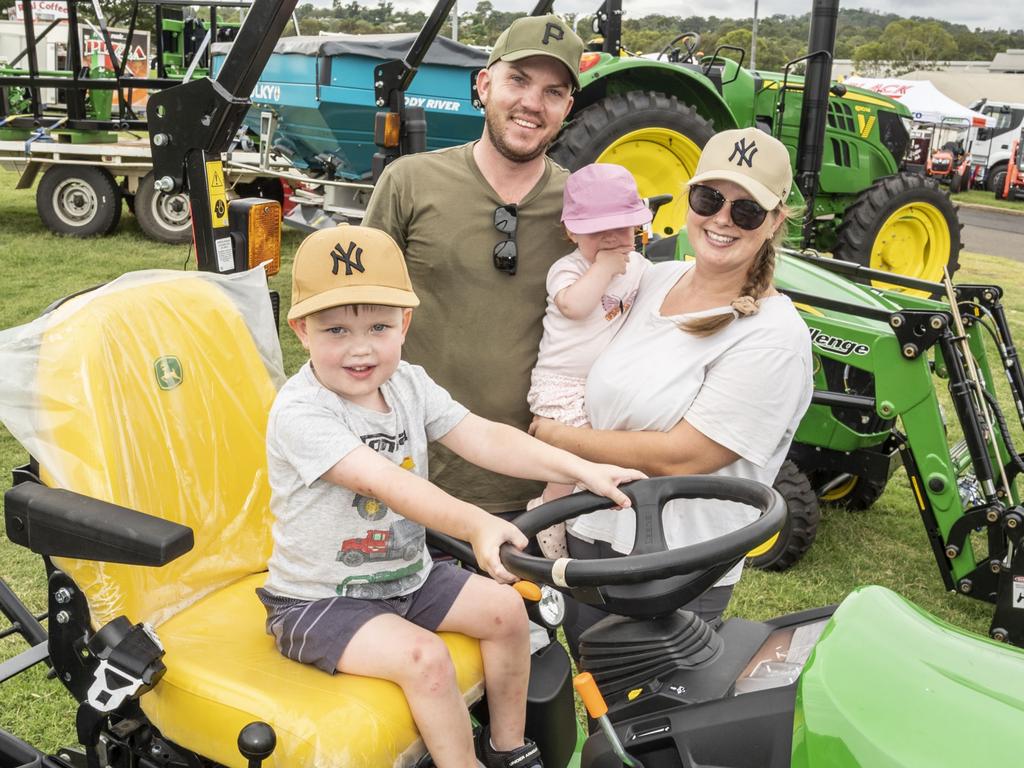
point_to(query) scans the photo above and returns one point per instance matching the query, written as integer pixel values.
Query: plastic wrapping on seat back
(152, 392)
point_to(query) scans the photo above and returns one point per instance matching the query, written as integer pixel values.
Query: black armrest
(51, 521)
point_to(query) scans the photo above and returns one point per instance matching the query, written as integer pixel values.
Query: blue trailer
(322, 91)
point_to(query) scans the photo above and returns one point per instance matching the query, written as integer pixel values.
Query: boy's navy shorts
(318, 631)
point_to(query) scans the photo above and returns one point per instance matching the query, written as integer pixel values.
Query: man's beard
(498, 141)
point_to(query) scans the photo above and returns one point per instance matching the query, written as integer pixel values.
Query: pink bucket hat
(602, 196)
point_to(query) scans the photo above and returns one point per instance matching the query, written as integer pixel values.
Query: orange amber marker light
(265, 236)
(592, 698)
(588, 60)
(392, 132)
(528, 590)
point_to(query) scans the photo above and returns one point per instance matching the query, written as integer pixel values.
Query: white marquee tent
(926, 103)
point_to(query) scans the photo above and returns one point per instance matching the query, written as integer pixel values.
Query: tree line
(878, 43)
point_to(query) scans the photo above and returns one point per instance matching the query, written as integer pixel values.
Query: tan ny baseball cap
(349, 265)
(540, 36)
(755, 160)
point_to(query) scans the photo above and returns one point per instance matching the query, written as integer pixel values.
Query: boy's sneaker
(526, 756)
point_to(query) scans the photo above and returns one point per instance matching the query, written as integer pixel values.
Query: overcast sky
(988, 14)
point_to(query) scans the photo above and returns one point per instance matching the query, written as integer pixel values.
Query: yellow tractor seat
(224, 672)
(152, 393)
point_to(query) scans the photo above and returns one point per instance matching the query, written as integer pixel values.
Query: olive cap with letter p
(346, 265)
(755, 160)
(540, 36)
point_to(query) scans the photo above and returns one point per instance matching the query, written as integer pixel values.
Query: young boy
(352, 587)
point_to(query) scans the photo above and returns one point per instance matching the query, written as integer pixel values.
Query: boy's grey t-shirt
(331, 541)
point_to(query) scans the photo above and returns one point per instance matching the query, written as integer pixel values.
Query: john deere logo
(168, 372)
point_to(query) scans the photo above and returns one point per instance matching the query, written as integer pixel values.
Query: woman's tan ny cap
(347, 265)
(751, 158)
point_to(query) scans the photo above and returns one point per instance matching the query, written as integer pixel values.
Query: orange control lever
(528, 591)
(592, 698)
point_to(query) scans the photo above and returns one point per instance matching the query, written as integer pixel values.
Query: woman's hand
(604, 480)
(544, 429)
(488, 536)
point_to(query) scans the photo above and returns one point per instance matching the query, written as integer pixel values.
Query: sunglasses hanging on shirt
(505, 254)
(707, 201)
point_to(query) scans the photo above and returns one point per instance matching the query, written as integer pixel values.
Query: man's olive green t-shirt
(477, 329)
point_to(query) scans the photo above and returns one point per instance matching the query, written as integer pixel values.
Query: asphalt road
(993, 232)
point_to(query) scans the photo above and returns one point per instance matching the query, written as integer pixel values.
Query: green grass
(983, 197)
(885, 545)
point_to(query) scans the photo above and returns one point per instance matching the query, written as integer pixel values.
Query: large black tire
(956, 183)
(657, 137)
(78, 200)
(801, 527)
(908, 222)
(996, 178)
(163, 217)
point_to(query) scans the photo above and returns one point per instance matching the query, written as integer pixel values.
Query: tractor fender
(622, 74)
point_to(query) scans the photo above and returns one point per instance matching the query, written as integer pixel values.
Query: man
(479, 225)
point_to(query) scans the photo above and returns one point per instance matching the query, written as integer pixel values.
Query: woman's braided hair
(758, 283)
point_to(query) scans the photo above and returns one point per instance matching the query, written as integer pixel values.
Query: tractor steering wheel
(652, 580)
(691, 47)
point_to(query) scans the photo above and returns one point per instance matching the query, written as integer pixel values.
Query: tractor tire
(904, 224)
(657, 137)
(956, 183)
(78, 200)
(801, 527)
(164, 217)
(857, 494)
(996, 178)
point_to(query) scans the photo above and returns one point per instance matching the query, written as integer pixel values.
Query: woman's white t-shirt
(746, 387)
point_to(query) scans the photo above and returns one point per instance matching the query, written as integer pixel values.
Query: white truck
(991, 149)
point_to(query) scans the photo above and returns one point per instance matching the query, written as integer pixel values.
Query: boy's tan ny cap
(751, 158)
(540, 36)
(349, 265)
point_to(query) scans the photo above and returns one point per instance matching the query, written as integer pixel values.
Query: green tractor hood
(891, 685)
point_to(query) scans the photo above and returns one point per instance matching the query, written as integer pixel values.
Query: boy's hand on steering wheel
(490, 534)
(604, 480)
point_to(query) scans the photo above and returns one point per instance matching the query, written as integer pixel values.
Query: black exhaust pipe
(821, 44)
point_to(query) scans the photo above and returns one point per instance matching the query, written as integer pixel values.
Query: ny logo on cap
(745, 152)
(346, 257)
(552, 32)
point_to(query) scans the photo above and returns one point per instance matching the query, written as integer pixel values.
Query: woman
(711, 372)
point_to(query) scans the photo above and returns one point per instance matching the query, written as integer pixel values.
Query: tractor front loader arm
(971, 486)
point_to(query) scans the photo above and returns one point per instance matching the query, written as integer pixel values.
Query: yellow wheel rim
(913, 241)
(764, 548)
(840, 491)
(662, 161)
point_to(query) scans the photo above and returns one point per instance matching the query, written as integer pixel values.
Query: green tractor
(654, 116)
